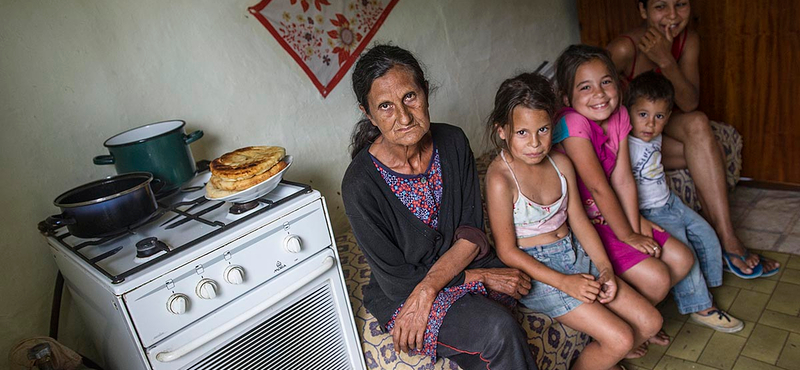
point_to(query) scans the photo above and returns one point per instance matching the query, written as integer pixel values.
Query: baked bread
(245, 163)
(215, 193)
(240, 185)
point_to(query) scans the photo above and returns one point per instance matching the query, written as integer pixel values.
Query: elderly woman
(666, 44)
(412, 196)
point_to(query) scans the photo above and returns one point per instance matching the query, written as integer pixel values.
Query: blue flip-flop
(730, 267)
(765, 273)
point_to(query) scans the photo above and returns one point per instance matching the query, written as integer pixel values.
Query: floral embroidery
(422, 194)
(441, 304)
(326, 38)
(317, 4)
(345, 38)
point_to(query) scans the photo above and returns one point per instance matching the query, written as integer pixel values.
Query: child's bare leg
(651, 278)
(640, 314)
(678, 258)
(613, 337)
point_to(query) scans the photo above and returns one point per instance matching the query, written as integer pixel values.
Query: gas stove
(183, 220)
(202, 279)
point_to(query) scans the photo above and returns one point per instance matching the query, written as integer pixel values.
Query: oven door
(300, 319)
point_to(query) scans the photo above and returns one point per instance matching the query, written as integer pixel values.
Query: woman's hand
(508, 281)
(657, 46)
(409, 325)
(646, 227)
(608, 285)
(643, 244)
(582, 287)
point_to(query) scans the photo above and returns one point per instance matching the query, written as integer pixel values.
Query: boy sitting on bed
(650, 99)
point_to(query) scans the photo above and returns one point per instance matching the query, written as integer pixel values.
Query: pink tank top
(531, 218)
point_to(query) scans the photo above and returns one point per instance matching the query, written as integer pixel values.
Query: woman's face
(398, 107)
(528, 135)
(667, 15)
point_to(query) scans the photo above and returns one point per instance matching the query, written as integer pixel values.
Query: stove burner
(150, 246)
(239, 208)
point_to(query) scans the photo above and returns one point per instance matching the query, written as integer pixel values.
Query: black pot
(106, 207)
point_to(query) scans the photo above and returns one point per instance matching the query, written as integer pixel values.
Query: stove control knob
(177, 303)
(234, 274)
(292, 244)
(206, 289)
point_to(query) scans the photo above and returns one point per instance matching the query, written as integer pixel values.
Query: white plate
(260, 190)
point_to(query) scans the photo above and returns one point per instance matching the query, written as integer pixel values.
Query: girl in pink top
(592, 130)
(529, 192)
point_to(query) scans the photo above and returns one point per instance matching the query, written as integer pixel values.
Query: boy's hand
(582, 287)
(608, 286)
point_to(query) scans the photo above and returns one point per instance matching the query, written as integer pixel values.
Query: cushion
(553, 345)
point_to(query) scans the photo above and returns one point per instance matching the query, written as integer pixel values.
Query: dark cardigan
(400, 248)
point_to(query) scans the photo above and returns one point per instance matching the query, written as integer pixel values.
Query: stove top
(184, 219)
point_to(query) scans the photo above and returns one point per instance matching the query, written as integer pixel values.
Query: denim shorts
(567, 257)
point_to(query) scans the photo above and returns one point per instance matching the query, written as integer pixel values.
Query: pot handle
(104, 159)
(56, 221)
(157, 185)
(194, 136)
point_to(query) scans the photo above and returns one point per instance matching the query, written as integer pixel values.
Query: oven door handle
(168, 356)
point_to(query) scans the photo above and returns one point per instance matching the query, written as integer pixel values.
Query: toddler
(650, 100)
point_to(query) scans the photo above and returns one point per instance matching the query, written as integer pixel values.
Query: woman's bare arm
(410, 323)
(685, 74)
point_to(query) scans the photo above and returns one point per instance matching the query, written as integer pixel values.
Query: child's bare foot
(637, 352)
(661, 339)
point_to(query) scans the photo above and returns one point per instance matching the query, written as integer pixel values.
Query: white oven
(262, 289)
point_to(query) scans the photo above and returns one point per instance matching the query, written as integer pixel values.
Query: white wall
(73, 73)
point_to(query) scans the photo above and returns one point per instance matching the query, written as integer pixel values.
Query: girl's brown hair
(530, 90)
(575, 56)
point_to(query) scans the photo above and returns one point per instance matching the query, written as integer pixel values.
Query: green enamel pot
(161, 148)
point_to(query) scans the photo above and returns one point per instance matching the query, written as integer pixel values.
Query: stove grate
(182, 217)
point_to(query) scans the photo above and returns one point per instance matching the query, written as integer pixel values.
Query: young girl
(529, 192)
(593, 130)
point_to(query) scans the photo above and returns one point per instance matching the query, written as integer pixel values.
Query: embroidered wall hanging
(325, 37)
